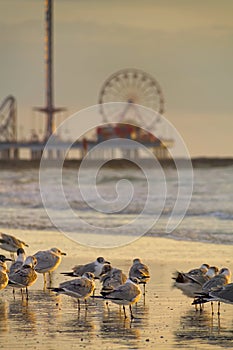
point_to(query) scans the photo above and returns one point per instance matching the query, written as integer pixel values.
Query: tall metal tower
(49, 109)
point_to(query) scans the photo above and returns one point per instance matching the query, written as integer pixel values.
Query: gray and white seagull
(128, 293)
(79, 288)
(48, 261)
(94, 267)
(140, 271)
(11, 243)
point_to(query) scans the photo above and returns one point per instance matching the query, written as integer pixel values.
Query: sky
(186, 45)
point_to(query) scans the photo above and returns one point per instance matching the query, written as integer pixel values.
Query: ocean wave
(208, 219)
(221, 215)
(115, 178)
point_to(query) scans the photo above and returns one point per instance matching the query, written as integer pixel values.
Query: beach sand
(166, 320)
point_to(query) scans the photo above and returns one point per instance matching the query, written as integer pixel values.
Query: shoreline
(170, 250)
(197, 162)
(225, 241)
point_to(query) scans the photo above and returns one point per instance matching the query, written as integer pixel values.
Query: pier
(145, 88)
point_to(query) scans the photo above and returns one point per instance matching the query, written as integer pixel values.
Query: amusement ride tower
(49, 110)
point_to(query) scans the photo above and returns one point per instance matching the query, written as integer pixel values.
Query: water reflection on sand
(115, 328)
(4, 327)
(47, 320)
(22, 316)
(166, 320)
(204, 327)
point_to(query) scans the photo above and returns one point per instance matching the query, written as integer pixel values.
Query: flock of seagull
(116, 286)
(206, 284)
(203, 284)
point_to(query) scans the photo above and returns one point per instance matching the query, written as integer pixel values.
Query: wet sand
(166, 320)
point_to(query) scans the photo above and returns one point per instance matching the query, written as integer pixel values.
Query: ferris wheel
(133, 87)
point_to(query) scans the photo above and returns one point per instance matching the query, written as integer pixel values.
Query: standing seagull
(3, 260)
(219, 280)
(184, 277)
(191, 283)
(140, 271)
(25, 276)
(222, 279)
(11, 243)
(111, 278)
(3, 271)
(16, 265)
(80, 288)
(94, 267)
(199, 271)
(223, 294)
(3, 275)
(48, 261)
(127, 294)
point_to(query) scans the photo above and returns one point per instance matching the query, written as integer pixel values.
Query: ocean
(209, 217)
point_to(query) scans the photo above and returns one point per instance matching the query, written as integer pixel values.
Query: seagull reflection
(46, 305)
(81, 325)
(4, 326)
(116, 328)
(197, 326)
(22, 316)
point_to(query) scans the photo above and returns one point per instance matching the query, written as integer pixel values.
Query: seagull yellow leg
(44, 280)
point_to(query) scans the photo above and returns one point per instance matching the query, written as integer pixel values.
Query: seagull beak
(8, 259)
(107, 262)
(62, 253)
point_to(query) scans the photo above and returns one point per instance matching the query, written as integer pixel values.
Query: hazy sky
(187, 45)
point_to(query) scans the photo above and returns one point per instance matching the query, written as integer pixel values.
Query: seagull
(182, 277)
(218, 281)
(140, 271)
(25, 276)
(48, 261)
(111, 278)
(3, 275)
(127, 294)
(94, 267)
(16, 265)
(11, 243)
(191, 284)
(3, 260)
(190, 281)
(223, 294)
(80, 288)
(199, 271)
